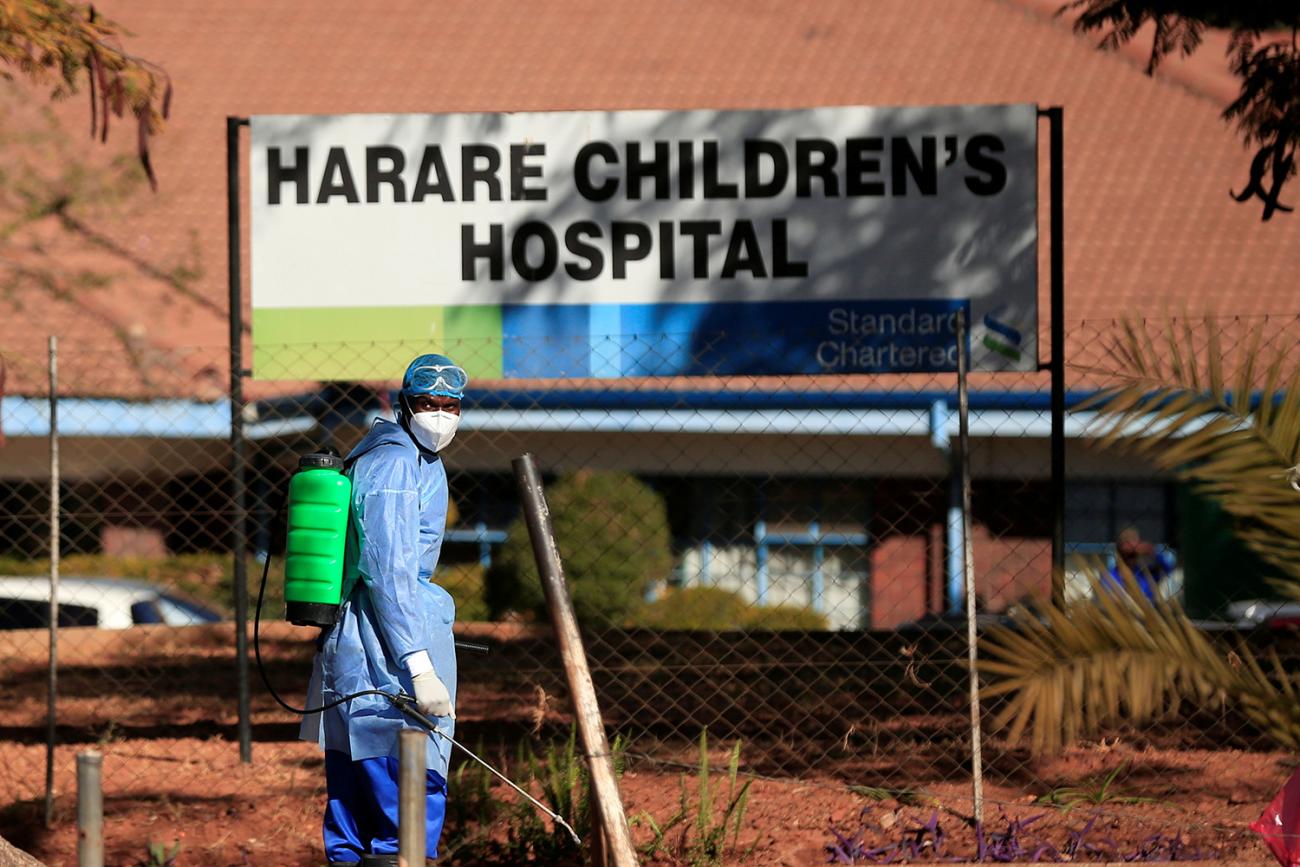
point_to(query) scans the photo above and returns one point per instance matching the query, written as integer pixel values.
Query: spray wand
(406, 705)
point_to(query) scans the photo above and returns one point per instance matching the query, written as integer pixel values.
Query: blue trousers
(361, 810)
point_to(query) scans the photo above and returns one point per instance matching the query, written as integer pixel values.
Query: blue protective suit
(391, 608)
(361, 810)
(1148, 574)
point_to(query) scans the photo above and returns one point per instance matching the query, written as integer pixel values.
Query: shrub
(777, 618)
(464, 581)
(612, 533)
(705, 608)
(716, 609)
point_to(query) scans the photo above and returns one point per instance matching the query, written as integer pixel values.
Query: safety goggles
(435, 378)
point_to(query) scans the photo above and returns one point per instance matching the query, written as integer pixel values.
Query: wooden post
(616, 838)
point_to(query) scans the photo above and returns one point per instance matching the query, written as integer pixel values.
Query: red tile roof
(1149, 163)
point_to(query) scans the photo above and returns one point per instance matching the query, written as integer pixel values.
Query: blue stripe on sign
(731, 339)
(604, 335)
(662, 339)
(1002, 328)
(545, 341)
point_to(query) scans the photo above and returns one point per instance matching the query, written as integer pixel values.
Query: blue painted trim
(787, 398)
(478, 535)
(954, 568)
(956, 565)
(189, 419)
(775, 422)
(818, 579)
(790, 397)
(106, 417)
(815, 538)
(939, 416)
(484, 546)
(315, 404)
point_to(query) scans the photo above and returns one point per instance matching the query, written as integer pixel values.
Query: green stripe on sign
(1001, 348)
(473, 340)
(342, 342)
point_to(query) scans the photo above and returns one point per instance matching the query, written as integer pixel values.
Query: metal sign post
(1056, 289)
(238, 504)
(972, 638)
(53, 683)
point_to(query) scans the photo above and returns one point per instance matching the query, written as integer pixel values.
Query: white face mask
(434, 430)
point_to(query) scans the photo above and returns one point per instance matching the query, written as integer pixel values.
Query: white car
(1272, 613)
(109, 603)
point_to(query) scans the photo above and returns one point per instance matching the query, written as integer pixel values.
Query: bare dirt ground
(172, 773)
(222, 812)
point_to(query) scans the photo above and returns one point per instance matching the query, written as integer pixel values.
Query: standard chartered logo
(1004, 340)
(889, 335)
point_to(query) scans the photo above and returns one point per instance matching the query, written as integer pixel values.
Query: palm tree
(1231, 429)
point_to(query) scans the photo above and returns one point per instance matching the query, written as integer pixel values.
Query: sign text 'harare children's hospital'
(833, 240)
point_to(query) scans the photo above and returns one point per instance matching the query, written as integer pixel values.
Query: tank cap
(320, 461)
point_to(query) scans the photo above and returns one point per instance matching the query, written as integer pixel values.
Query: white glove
(431, 695)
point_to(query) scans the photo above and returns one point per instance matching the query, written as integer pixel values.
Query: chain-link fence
(772, 559)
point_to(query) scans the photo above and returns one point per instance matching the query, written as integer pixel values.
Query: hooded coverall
(391, 610)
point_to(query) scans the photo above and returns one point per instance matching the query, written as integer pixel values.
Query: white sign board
(630, 243)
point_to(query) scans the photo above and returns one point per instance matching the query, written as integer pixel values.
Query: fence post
(239, 507)
(90, 809)
(1056, 124)
(972, 637)
(51, 712)
(411, 804)
(616, 838)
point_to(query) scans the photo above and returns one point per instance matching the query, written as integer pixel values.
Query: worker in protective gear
(1150, 566)
(394, 627)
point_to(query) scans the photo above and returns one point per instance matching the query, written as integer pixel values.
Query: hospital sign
(645, 243)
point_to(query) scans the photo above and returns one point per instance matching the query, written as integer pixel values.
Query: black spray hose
(257, 648)
(261, 669)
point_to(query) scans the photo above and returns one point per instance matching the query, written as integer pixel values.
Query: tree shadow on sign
(928, 229)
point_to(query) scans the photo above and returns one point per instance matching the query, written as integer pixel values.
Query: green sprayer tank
(319, 496)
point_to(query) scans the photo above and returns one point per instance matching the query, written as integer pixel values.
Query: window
(794, 542)
(811, 540)
(35, 614)
(1096, 512)
(144, 612)
(171, 611)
